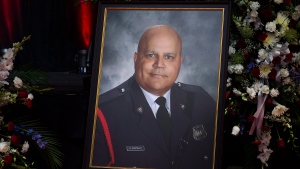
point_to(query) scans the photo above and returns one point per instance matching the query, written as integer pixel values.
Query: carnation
(284, 73)
(254, 5)
(274, 92)
(271, 26)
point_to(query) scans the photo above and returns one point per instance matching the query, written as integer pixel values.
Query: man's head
(158, 59)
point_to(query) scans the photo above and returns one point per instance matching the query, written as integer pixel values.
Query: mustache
(158, 72)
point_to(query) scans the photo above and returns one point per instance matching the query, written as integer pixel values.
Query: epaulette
(191, 88)
(114, 93)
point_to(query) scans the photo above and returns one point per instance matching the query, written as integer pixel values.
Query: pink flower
(264, 156)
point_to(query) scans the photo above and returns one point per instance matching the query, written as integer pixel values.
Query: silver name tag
(135, 148)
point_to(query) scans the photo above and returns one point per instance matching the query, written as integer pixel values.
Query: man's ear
(135, 57)
(181, 59)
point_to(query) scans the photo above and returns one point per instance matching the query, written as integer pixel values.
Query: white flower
(265, 89)
(4, 74)
(231, 50)
(265, 69)
(279, 110)
(274, 92)
(254, 5)
(278, 1)
(235, 130)
(25, 147)
(251, 92)
(231, 69)
(238, 69)
(236, 92)
(6, 64)
(296, 15)
(271, 26)
(284, 73)
(4, 146)
(18, 82)
(30, 96)
(262, 54)
(264, 156)
(9, 54)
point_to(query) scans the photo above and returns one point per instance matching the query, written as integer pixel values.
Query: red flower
(28, 103)
(276, 60)
(272, 74)
(22, 94)
(287, 1)
(262, 37)
(265, 128)
(250, 119)
(266, 14)
(227, 95)
(10, 126)
(256, 142)
(8, 159)
(269, 102)
(289, 57)
(255, 72)
(15, 140)
(280, 143)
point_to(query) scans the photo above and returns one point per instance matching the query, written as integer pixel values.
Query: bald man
(134, 135)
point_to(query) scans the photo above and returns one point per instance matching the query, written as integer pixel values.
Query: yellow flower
(264, 70)
(270, 41)
(282, 19)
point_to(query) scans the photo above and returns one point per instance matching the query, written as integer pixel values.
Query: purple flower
(36, 136)
(42, 144)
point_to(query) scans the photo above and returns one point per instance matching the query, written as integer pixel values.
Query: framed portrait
(144, 50)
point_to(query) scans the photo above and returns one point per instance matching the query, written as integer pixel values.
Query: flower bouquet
(20, 138)
(263, 84)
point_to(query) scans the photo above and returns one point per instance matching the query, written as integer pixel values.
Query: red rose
(8, 159)
(269, 102)
(272, 74)
(28, 103)
(287, 1)
(255, 72)
(241, 44)
(266, 14)
(280, 143)
(227, 95)
(15, 140)
(256, 142)
(265, 128)
(262, 36)
(10, 126)
(250, 119)
(276, 60)
(22, 94)
(289, 57)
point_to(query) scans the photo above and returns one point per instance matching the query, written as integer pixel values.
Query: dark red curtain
(11, 22)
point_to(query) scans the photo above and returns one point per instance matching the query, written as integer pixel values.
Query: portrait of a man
(154, 122)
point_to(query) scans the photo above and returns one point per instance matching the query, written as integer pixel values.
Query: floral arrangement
(263, 84)
(19, 136)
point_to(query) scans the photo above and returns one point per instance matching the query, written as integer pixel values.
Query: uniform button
(205, 158)
(122, 90)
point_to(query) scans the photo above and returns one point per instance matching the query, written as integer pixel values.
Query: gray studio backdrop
(200, 31)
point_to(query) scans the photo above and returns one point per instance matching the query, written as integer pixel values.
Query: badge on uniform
(199, 132)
